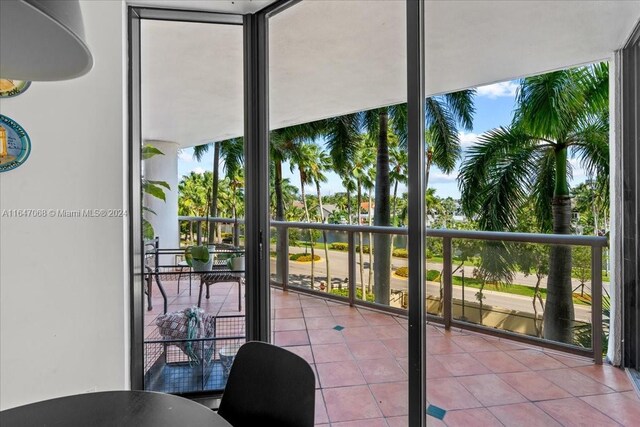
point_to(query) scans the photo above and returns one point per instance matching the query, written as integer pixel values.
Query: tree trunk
(559, 316)
(324, 239)
(559, 313)
(428, 167)
(382, 215)
(395, 216)
(361, 243)
(282, 243)
(349, 206)
(370, 246)
(214, 189)
(307, 218)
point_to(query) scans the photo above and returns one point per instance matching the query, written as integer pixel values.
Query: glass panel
(507, 286)
(192, 124)
(337, 93)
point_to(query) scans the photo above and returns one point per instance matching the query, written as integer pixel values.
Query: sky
(494, 107)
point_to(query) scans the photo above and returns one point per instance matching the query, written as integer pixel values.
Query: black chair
(269, 386)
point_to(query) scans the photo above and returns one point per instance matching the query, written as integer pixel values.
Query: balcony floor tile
(361, 371)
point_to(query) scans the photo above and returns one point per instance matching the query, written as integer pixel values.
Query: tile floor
(479, 380)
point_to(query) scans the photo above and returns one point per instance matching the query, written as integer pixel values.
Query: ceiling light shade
(42, 40)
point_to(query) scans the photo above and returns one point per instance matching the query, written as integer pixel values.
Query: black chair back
(269, 386)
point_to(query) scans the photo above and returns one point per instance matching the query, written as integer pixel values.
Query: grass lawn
(514, 289)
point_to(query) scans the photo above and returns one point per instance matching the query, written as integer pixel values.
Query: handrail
(503, 236)
(596, 243)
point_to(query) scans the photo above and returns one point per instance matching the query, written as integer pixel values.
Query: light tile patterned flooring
(479, 380)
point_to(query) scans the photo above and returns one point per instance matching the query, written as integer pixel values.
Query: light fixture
(42, 40)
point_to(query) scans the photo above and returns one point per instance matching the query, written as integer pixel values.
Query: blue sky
(494, 107)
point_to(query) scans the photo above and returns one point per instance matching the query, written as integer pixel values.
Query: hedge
(339, 246)
(303, 257)
(432, 275)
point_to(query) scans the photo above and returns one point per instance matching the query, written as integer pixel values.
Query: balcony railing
(446, 301)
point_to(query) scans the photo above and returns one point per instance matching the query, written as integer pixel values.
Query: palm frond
(462, 106)
(496, 177)
(341, 139)
(591, 144)
(200, 150)
(548, 104)
(399, 126)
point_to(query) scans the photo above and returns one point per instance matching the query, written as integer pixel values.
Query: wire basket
(169, 369)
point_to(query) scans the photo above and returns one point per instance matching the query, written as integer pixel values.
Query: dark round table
(113, 408)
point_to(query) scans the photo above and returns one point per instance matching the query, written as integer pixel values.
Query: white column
(164, 168)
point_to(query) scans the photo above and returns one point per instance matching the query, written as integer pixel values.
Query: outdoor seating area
(359, 357)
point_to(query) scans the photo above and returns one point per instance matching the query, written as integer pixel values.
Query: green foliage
(198, 253)
(339, 246)
(148, 151)
(432, 275)
(153, 188)
(400, 253)
(365, 249)
(303, 257)
(344, 292)
(402, 271)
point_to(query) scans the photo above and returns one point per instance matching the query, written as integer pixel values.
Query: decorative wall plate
(15, 144)
(9, 87)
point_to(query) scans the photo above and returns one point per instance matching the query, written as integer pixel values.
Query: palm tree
(555, 113)
(398, 174)
(302, 156)
(361, 171)
(232, 151)
(442, 113)
(321, 162)
(192, 196)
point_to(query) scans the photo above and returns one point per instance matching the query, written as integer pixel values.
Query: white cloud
(441, 178)
(467, 139)
(579, 173)
(185, 156)
(498, 90)
(198, 170)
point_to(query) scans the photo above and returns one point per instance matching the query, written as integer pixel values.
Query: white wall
(63, 299)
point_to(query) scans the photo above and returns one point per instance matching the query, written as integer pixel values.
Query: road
(299, 271)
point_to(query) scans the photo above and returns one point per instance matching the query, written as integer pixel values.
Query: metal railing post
(447, 282)
(351, 243)
(596, 303)
(284, 257)
(199, 232)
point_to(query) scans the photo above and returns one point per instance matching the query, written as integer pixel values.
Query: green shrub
(339, 246)
(402, 272)
(400, 253)
(432, 275)
(365, 249)
(303, 257)
(345, 293)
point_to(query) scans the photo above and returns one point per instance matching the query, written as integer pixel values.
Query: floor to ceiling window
(192, 318)
(338, 201)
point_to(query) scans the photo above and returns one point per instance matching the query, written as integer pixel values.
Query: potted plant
(236, 262)
(198, 257)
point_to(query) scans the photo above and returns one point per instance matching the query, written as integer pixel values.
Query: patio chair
(269, 386)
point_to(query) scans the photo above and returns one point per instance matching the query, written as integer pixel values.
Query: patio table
(114, 408)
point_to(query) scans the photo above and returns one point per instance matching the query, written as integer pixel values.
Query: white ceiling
(328, 58)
